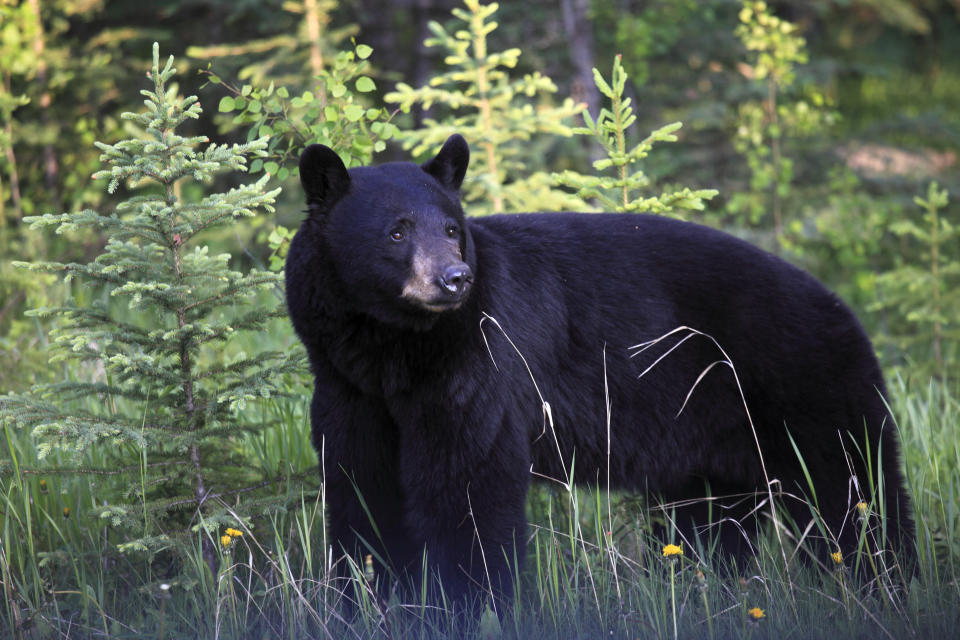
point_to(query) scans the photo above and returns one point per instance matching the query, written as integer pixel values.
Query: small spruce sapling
(168, 383)
(619, 191)
(498, 115)
(927, 294)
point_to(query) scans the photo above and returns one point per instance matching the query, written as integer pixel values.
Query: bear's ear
(323, 176)
(450, 165)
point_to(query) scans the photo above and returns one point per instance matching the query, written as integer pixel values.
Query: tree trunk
(421, 63)
(51, 169)
(578, 28)
(14, 179)
(312, 19)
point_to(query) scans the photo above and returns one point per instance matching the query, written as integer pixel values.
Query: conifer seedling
(157, 381)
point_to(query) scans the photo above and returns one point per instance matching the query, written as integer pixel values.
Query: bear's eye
(397, 234)
(452, 230)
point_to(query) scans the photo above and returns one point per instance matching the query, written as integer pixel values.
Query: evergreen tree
(168, 381)
(497, 115)
(926, 292)
(619, 191)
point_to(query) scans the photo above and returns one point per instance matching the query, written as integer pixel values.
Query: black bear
(456, 358)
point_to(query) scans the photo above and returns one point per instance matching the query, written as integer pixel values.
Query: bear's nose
(455, 278)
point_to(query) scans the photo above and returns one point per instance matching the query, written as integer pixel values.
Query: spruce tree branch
(253, 321)
(235, 492)
(285, 365)
(32, 415)
(240, 288)
(97, 471)
(106, 277)
(69, 390)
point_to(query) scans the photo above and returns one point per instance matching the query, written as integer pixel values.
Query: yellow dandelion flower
(233, 533)
(672, 550)
(837, 557)
(756, 613)
(225, 541)
(863, 508)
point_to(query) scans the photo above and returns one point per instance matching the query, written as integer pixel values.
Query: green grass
(593, 568)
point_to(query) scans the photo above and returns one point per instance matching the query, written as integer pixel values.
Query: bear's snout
(456, 278)
(438, 279)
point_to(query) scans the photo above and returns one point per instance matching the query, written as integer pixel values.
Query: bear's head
(394, 234)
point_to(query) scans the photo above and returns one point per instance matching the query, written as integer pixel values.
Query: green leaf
(353, 112)
(365, 84)
(226, 104)
(364, 51)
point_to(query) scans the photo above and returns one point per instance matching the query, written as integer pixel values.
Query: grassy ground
(593, 569)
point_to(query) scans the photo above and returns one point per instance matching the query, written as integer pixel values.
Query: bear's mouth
(440, 307)
(440, 302)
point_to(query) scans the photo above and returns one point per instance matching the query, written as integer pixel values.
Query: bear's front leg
(466, 499)
(356, 443)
